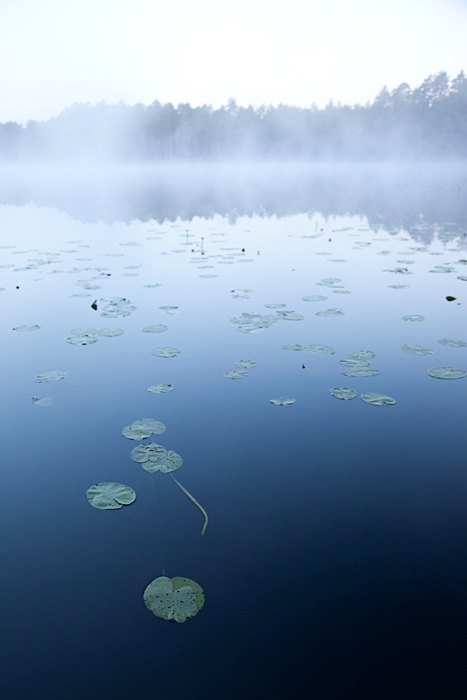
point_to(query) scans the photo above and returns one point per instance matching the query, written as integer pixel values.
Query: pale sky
(54, 53)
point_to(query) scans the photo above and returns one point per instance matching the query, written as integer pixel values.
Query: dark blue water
(334, 561)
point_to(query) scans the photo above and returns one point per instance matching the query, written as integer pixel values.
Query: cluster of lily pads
(240, 373)
(86, 336)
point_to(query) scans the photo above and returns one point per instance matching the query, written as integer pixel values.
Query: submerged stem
(195, 502)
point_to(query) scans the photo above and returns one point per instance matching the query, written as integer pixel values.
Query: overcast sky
(57, 52)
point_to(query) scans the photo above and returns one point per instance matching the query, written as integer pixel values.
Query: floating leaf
(377, 399)
(27, 328)
(110, 496)
(274, 306)
(236, 374)
(291, 316)
(398, 286)
(247, 364)
(446, 373)
(174, 599)
(160, 388)
(320, 349)
(256, 328)
(452, 343)
(159, 328)
(293, 347)
(417, 350)
(83, 331)
(360, 372)
(152, 453)
(354, 362)
(314, 297)
(159, 459)
(50, 376)
(330, 312)
(143, 428)
(45, 402)
(169, 309)
(413, 317)
(449, 298)
(166, 351)
(84, 340)
(362, 354)
(282, 402)
(344, 393)
(110, 332)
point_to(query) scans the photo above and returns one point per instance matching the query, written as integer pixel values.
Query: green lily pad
(169, 309)
(331, 312)
(314, 297)
(110, 496)
(246, 364)
(50, 376)
(159, 328)
(362, 354)
(275, 306)
(82, 340)
(45, 402)
(354, 362)
(320, 349)
(143, 428)
(291, 316)
(377, 399)
(344, 393)
(281, 401)
(256, 328)
(413, 317)
(83, 331)
(148, 453)
(293, 347)
(166, 351)
(417, 350)
(446, 373)
(174, 599)
(27, 328)
(160, 388)
(360, 372)
(398, 286)
(236, 374)
(452, 343)
(110, 332)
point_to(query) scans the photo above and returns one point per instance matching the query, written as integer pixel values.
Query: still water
(334, 560)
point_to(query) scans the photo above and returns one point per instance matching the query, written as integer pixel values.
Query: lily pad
(360, 372)
(82, 340)
(291, 316)
(413, 317)
(169, 309)
(293, 347)
(320, 349)
(281, 401)
(377, 399)
(110, 496)
(451, 342)
(50, 376)
(236, 374)
(110, 332)
(345, 394)
(246, 364)
(166, 351)
(362, 354)
(143, 428)
(159, 328)
(160, 388)
(314, 297)
(446, 373)
(27, 328)
(45, 402)
(354, 362)
(417, 350)
(331, 312)
(174, 599)
(148, 453)
(83, 331)
(275, 306)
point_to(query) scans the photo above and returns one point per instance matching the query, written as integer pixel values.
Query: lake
(334, 560)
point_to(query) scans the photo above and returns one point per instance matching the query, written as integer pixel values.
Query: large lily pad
(281, 401)
(360, 372)
(110, 496)
(362, 354)
(152, 453)
(159, 328)
(345, 394)
(354, 362)
(81, 340)
(160, 388)
(174, 599)
(377, 399)
(50, 376)
(417, 350)
(110, 332)
(320, 349)
(143, 428)
(236, 374)
(245, 364)
(446, 373)
(166, 351)
(451, 342)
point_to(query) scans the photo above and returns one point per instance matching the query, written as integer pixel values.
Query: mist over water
(333, 563)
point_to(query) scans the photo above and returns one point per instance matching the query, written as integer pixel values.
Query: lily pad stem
(195, 502)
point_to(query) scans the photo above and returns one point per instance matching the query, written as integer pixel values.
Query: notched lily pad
(110, 496)
(296, 347)
(331, 312)
(446, 373)
(417, 350)
(320, 349)
(451, 342)
(413, 318)
(50, 376)
(360, 372)
(110, 332)
(45, 402)
(362, 354)
(82, 340)
(159, 328)
(166, 351)
(27, 328)
(314, 297)
(281, 401)
(236, 374)
(245, 364)
(345, 394)
(143, 428)
(174, 599)
(160, 388)
(377, 399)
(83, 331)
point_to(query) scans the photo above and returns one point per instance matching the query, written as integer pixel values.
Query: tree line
(428, 122)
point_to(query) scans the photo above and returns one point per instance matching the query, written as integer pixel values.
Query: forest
(425, 123)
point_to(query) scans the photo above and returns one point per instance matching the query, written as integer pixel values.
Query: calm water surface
(334, 561)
